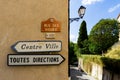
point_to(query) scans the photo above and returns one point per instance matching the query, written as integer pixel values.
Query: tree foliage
(72, 55)
(82, 34)
(83, 39)
(103, 35)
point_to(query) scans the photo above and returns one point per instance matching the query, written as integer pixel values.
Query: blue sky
(95, 11)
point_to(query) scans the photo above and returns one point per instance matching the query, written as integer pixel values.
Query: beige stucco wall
(20, 20)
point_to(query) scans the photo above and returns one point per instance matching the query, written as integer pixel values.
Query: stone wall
(108, 75)
(98, 71)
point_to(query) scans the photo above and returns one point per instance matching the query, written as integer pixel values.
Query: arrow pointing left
(37, 46)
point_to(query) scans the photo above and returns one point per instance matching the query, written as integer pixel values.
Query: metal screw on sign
(51, 20)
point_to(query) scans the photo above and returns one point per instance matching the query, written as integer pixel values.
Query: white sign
(50, 35)
(37, 59)
(37, 46)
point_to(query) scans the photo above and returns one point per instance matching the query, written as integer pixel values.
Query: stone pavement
(76, 74)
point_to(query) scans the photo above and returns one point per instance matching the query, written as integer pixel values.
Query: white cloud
(89, 2)
(114, 8)
(73, 38)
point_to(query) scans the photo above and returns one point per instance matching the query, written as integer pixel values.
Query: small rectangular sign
(50, 35)
(33, 60)
(50, 25)
(37, 46)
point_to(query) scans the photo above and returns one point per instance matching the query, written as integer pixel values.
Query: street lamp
(81, 12)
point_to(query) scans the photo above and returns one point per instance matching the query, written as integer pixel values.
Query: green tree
(72, 55)
(76, 50)
(103, 35)
(83, 39)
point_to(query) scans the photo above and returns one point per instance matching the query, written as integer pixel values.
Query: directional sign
(34, 60)
(37, 46)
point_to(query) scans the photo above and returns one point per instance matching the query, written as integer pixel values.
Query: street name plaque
(37, 46)
(50, 25)
(34, 59)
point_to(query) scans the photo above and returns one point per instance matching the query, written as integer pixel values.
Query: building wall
(118, 18)
(20, 20)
